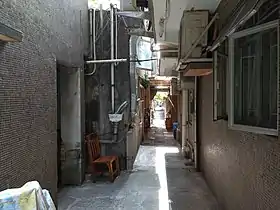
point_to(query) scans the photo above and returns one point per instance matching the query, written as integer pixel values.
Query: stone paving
(159, 181)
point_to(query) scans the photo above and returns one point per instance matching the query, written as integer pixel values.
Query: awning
(197, 67)
(244, 11)
(165, 46)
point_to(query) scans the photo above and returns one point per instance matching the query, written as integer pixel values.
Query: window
(254, 59)
(220, 82)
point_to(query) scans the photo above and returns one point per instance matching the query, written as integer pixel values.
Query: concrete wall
(134, 138)
(98, 90)
(28, 109)
(71, 125)
(241, 168)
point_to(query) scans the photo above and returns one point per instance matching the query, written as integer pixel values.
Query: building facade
(238, 112)
(53, 32)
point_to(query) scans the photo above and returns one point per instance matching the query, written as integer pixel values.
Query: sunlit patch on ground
(159, 181)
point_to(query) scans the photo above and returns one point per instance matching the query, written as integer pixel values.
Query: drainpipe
(101, 17)
(184, 118)
(112, 57)
(195, 124)
(107, 61)
(116, 35)
(92, 16)
(90, 32)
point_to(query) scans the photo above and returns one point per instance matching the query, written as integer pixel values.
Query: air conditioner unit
(192, 25)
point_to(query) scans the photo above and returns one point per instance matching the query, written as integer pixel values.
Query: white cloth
(29, 197)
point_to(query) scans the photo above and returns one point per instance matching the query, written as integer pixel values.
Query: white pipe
(195, 123)
(166, 51)
(184, 118)
(112, 57)
(101, 17)
(91, 33)
(107, 61)
(116, 36)
(92, 40)
(94, 37)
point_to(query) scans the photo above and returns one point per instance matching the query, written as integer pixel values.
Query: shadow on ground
(187, 189)
(159, 181)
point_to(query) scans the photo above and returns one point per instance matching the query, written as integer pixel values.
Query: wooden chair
(96, 160)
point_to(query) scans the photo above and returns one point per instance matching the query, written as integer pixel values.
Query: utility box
(192, 25)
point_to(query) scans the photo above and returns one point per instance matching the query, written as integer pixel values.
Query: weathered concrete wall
(28, 125)
(71, 125)
(134, 137)
(98, 89)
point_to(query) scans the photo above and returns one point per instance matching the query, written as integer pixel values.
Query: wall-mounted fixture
(8, 34)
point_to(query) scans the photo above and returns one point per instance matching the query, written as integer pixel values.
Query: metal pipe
(101, 17)
(184, 118)
(122, 107)
(93, 40)
(115, 131)
(166, 51)
(116, 35)
(107, 61)
(195, 124)
(90, 32)
(112, 57)
(119, 60)
(94, 36)
(200, 37)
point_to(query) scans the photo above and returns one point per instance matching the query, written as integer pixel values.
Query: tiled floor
(159, 181)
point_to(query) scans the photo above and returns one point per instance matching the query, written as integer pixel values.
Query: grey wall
(98, 89)
(225, 9)
(28, 109)
(71, 125)
(241, 168)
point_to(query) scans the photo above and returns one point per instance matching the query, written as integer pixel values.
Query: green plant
(145, 81)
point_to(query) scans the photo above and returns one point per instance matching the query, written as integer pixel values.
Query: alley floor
(159, 181)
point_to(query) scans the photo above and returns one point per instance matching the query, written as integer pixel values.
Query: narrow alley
(140, 104)
(159, 181)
